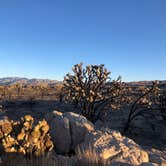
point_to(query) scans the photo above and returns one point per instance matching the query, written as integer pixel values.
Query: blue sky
(44, 38)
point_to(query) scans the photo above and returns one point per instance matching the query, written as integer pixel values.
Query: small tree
(32, 95)
(141, 100)
(18, 87)
(59, 93)
(91, 89)
(4, 92)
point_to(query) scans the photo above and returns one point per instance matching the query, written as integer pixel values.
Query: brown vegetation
(25, 137)
(88, 158)
(30, 92)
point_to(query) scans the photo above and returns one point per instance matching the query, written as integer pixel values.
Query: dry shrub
(20, 160)
(89, 157)
(25, 137)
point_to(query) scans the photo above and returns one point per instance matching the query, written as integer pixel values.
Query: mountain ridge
(34, 81)
(26, 81)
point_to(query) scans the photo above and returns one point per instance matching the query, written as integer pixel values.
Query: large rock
(59, 131)
(79, 127)
(110, 144)
(67, 130)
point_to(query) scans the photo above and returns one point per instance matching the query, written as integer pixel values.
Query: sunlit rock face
(67, 130)
(71, 131)
(110, 144)
(79, 127)
(60, 131)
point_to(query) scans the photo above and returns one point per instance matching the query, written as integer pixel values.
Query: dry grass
(45, 161)
(60, 161)
(88, 158)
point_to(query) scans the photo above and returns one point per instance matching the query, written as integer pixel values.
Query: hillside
(26, 81)
(34, 81)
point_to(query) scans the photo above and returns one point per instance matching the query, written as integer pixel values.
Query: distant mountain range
(137, 83)
(26, 81)
(34, 81)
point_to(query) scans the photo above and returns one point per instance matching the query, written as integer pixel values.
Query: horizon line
(51, 79)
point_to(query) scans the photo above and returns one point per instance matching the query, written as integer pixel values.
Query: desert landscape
(86, 119)
(82, 83)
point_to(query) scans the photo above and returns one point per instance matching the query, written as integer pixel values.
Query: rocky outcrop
(110, 144)
(67, 130)
(73, 132)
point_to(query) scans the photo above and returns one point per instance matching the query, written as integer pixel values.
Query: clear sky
(44, 38)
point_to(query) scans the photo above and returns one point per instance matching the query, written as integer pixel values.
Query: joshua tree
(18, 87)
(31, 95)
(59, 91)
(4, 90)
(91, 89)
(43, 90)
(8, 92)
(141, 100)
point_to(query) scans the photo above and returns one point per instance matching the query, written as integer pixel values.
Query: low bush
(25, 137)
